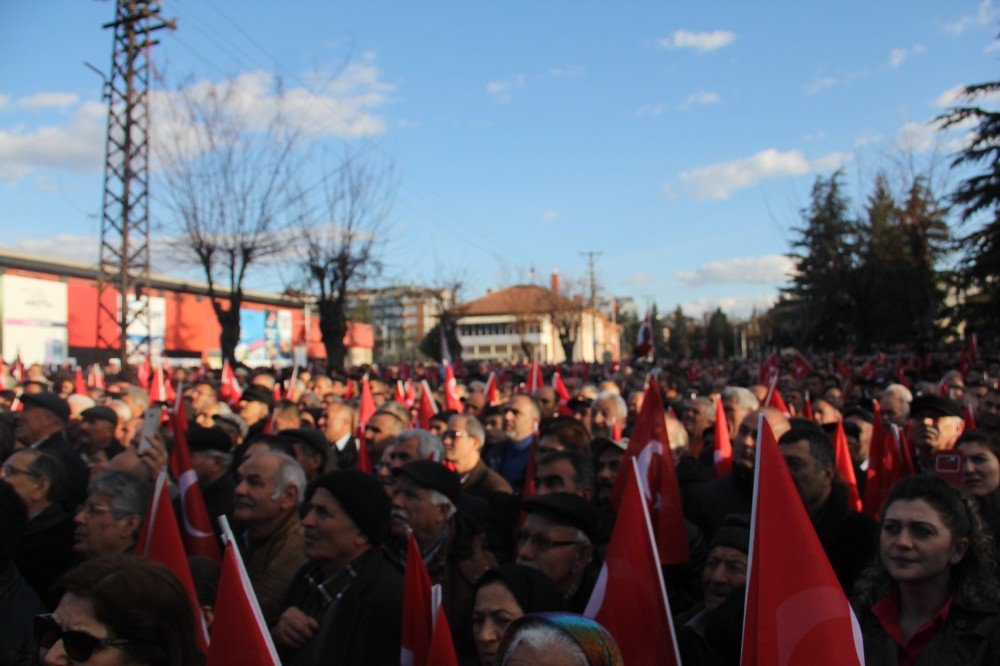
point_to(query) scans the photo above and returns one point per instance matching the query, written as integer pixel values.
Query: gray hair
(545, 639)
(438, 499)
(139, 396)
(429, 447)
(901, 390)
(473, 428)
(48, 466)
(129, 495)
(618, 401)
(80, 402)
(745, 397)
(120, 408)
(290, 473)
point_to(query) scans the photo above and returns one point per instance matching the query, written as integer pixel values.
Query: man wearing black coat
(41, 425)
(345, 606)
(849, 538)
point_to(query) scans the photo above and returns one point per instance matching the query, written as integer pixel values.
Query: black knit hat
(565, 509)
(935, 405)
(534, 591)
(312, 438)
(434, 476)
(364, 499)
(734, 533)
(208, 439)
(49, 401)
(100, 413)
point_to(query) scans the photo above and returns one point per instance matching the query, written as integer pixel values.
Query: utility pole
(590, 254)
(124, 254)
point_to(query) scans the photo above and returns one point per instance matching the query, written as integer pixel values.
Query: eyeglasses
(540, 542)
(79, 645)
(92, 509)
(452, 434)
(10, 470)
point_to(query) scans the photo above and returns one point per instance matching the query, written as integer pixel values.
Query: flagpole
(643, 494)
(753, 528)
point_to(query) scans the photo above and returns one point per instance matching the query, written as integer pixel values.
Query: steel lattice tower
(124, 255)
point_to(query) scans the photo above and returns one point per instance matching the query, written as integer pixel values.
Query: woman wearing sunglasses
(119, 611)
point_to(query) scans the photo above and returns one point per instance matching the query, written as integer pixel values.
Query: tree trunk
(229, 322)
(333, 327)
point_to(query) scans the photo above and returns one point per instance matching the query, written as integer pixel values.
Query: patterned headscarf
(594, 641)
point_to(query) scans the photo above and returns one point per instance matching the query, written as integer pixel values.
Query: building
(521, 321)
(48, 314)
(401, 317)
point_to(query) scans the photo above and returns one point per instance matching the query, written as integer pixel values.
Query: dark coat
(46, 550)
(74, 493)
(365, 624)
(710, 502)
(18, 607)
(849, 538)
(970, 637)
(340, 460)
(503, 508)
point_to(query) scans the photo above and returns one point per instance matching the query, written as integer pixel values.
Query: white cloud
(867, 140)
(77, 147)
(955, 95)
(985, 16)
(916, 137)
(719, 181)
(503, 91)
(48, 99)
(550, 215)
(701, 98)
(567, 71)
(819, 85)
(768, 269)
(649, 110)
(740, 306)
(898, 56)
(699, 41)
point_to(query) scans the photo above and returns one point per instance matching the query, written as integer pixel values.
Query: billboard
(265, 337)
(34, 320)
(138, 330)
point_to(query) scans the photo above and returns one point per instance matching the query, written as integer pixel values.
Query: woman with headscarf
(503, 595)
(558, 639)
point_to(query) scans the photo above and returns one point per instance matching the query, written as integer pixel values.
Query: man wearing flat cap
(255, 408)
(345, 604)
(96, 440)
(426, 496)
(41, 425)
(557, 538)
(212, 458)
(937, 424)
(310, 450)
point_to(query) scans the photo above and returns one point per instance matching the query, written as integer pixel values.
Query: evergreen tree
(719, 335)
(680, 335)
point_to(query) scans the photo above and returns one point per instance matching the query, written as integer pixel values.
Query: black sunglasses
(79, 645)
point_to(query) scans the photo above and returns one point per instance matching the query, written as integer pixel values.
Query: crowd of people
(507, 497)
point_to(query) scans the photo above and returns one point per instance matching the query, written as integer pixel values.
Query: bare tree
(342, 238)
(227, 171)
(566, 312)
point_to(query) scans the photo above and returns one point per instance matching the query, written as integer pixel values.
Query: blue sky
(679, 139)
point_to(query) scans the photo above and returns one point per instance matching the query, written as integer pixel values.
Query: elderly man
(416, 444)
(205, 403)
(338, 428)
(937, 424)
(345, 605)
(565, 472)
(269, 491)
(698, 416)
(382, 429)
(895, 402)
(463, 444)
(711, 502)
(41, 425)
(547, 401)
(108, 522)
(96, 439)
(737, 402)
(212, 459)
(310, 449)
(510, 458)
(848, 537)
(608, 415)
(557, 539)
(46, 548)
(425, 499)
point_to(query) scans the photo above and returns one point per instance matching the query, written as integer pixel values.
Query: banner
(34, 320)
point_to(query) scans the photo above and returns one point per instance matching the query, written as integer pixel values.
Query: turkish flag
(95, 376)
(722, 452)
(535, 380)
(491, 393)
(349, 391)
(239, 634)
(442, 649)
(630, 598)
(796, 611)
(399, 394)
(563, 393)
(229, 388)
(418, 623)
(845, 467)
(79, 385)
(451, 400)
(198, 534)
(807, 409)
(160, 541)
(428, 407)
(650, 426)
(885, 468)
(366, 407)
(774, 398)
